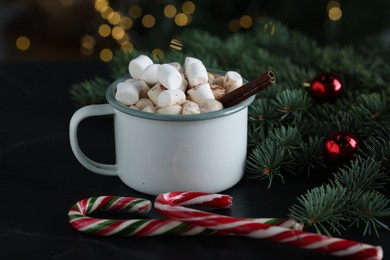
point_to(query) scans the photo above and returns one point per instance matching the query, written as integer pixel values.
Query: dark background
(41, 178)
(55, 28)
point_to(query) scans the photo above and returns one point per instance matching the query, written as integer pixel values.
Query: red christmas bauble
(326, 87)
(340, 147)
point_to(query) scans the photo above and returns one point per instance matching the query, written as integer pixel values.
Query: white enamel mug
(158, 153)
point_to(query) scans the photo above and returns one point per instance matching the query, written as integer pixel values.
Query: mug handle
(78, 116)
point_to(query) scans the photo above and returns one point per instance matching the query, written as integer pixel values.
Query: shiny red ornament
(326, 87)
(340, 147)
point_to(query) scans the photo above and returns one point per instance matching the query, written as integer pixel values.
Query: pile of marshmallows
(170, 89)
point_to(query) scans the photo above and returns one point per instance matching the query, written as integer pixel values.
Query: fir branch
(292, 104)
(367, 207)
(310, 155)
(89, 91)
(377, 146)
(267, 160)
(288, 138)
(362, 174)
(322, 207)
(263, 113)
(256, 134)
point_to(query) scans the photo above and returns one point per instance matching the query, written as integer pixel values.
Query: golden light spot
(157, 53)
(135, 11)
(234, 25)
(188, 7)
(117, 33)
(148, 21)
(335, 13)
(246, 21)
(23, 43)
(170, 11)
(181, 19)
(100, 5)
(126, 22)
(106, 11)
(104, 30)
(114, 18)
(106, 55)
(127, 47)
(66, 3)
(88, 42)
(176, 45)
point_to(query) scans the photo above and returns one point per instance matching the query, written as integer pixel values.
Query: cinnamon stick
(249, 89)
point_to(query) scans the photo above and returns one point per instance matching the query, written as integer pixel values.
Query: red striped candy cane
(171, 204)
(139, 227)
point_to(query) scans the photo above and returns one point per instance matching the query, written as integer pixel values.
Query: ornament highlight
(340, 147)
(326, 87)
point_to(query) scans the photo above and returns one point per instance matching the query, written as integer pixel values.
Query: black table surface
(41, 179)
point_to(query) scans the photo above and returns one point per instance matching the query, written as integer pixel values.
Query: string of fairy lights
(117, 24)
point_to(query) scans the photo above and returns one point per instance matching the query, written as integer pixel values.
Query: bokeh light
(23, 43)
(148, 21)
(100, 5)
(106, 11)
(126, 22)
(135, 11)
(246, 21)
(188, 7)
(335, 13)
(106, 55)
(117, 33)
(114, 18)
(181, 19)
(170, 11)
(104, 30)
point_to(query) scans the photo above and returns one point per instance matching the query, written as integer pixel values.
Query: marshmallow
(171, 97)
(154, 92)
(218, 91)
(184, 84)
(232, 81)
(177, 66)
(197, 74)
(150, 109)
(188, 61)
(143, 102)
(210, 105)
(127, 92)
(169, 77)
(143, 87)
(200, 93)
(138, 65)
(190, 108)
(149, 75)
(170, 110)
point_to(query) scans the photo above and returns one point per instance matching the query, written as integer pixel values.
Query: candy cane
(171, 205)
(139, 227)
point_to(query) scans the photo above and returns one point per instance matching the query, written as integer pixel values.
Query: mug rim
(110, 96)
